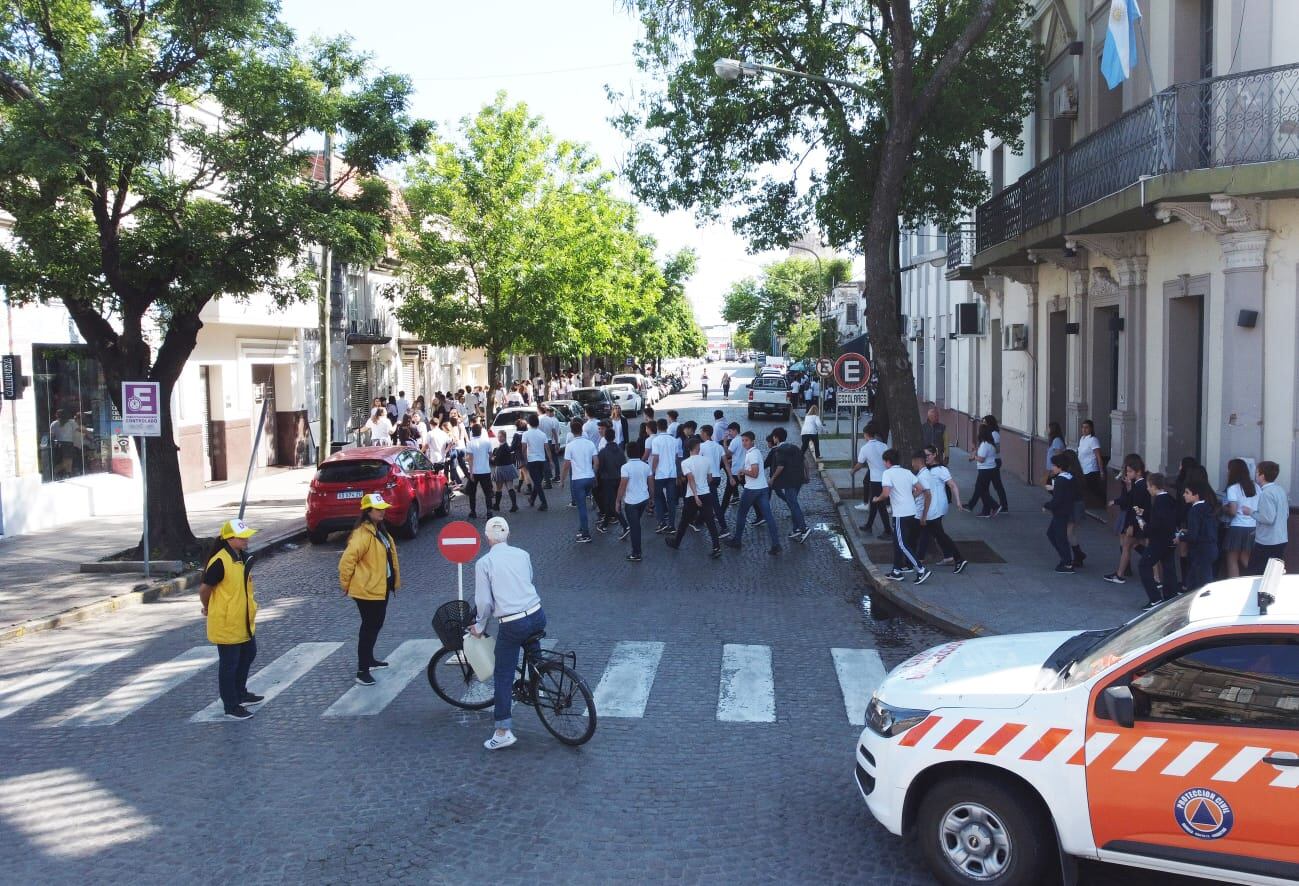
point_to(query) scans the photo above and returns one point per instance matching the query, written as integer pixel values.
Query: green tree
(787, 293)
(929, 80)
(148, 155)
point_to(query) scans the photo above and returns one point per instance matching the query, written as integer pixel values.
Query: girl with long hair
(1240, 504)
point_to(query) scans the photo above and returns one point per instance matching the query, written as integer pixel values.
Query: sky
(555, 55)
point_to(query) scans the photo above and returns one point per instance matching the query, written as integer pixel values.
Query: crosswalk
(746, 675)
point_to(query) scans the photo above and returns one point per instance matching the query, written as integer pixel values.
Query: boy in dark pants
(1159, 524)
(1201, 537)
(1064, 492)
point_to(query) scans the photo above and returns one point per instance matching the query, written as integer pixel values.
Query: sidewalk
(1010, 585)
(44, 588)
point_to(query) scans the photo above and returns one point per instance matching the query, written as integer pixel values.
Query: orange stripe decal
(919, 731)
(1078, 757)
(957, 735)
(1000, 738)
(1045, 745)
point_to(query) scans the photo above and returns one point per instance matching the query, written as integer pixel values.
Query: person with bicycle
(503, 588)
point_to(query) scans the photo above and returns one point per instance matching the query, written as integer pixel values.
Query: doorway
(264, 411)
(1057, 363)
(1105, 372)
(1184, 387)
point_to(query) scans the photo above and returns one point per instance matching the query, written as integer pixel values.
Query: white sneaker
(861, 507)
(496, 742)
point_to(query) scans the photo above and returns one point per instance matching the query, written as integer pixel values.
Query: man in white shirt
(716, 454)
(591, 429)
(551, 427)
(870, 455)
(901, 488)
(634, 493)
(663, 462)
(579, 461)
(537, 458)
(756, 494)
(514, 397)
(734, 465)
(934, 476)
(436, 442)
(673, 415)
(479, 449)
(403, 405)
(719, 427)
(699, 498)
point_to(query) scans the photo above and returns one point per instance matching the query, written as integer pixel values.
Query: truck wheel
(974, 829)
(750, 413)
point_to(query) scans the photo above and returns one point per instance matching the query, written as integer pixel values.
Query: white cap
(497, 529)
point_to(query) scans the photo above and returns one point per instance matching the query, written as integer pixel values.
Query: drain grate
(881, 552)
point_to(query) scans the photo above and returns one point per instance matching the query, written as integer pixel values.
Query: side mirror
(1119, 706)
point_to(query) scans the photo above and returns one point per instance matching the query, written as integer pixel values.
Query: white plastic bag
(481, 652)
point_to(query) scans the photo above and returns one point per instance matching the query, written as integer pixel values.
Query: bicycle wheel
(455, 683)
(564, 703)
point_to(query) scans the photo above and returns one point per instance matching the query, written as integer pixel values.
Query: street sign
(852, 371)
(852, 398)
(11, 365)
(823, 367)
(459, 541)
(630, 361)
(141, 409)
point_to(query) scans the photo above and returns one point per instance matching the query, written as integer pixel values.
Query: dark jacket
(1064, 492)
(609, 463)
(1136, 497)
(1161, 519)
(790, 457)
(1202, 528)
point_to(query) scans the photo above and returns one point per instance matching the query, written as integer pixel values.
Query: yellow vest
(363, 568)
(232, 609)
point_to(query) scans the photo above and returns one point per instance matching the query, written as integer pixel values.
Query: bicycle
(545, 680)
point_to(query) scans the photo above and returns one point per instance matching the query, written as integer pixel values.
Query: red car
(404, 477)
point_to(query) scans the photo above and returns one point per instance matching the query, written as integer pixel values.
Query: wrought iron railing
(1251, 117)
(960, 246)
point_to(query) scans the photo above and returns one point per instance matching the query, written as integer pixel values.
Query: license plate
(351, 493)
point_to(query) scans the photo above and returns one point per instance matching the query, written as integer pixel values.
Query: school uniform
(1161, 523)
(1202, 542)
(1064, 492)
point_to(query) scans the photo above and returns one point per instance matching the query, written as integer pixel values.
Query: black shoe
(960, 567)
(715, 552)
(885, 535)
(548, 485)
(761, 521)
(922, 576)
(694, 526)
(600, 527)
(239, 713)
(513, 508)
(632, 558)
(544, 508)
(626, 532)
(1145, 608)
(732, 543)
(662, 528)
(378, 664)
(774, 550)
(583, 538)
(1065, 569)
(249, 698)
(672, 543)
(364, 678)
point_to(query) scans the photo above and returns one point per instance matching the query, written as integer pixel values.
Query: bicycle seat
(534, 638)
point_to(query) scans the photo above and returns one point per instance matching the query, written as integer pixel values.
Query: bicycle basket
(450, 621)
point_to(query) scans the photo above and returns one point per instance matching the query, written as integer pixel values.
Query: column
(1125, 429)
(1244, 257)
(1076, 409)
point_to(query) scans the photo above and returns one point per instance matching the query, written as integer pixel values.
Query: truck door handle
(1282, 760)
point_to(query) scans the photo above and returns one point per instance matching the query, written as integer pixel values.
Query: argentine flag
(1120, 54)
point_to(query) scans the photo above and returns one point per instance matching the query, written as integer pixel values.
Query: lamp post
(820, 302)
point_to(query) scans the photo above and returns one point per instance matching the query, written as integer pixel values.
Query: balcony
(1170, 144)
(960, 252)
(368, 326)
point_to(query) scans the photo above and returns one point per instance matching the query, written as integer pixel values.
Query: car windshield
(352, 470)
(588, 395)
(625, 380)
(773, 383)
(507, 417)
(1136, 634)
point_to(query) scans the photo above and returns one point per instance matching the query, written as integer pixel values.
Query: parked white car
(626, 398)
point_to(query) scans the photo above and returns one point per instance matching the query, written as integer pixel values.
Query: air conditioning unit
(1014, 337)
(1064, 102)
(969, 319)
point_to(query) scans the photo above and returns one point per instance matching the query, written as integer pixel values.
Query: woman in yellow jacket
(226, 594)
(369, 573)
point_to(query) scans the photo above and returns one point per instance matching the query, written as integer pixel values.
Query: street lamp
(734, 69)
(820, 319)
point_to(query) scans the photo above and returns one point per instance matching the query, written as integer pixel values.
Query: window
(1241, 682)
(850, 314)
(1206, 41)
(74, 414)
(998, 169)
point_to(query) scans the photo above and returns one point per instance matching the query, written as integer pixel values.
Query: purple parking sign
(141, 409)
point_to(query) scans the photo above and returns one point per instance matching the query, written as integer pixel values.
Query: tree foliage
(149, 154)
(516, 244)
(930, 79)
(786, 295)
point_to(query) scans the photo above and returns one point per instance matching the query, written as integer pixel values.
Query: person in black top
(608, 475)
(1134, 497)
(1064, 492)
(1200, 535)
(504, 472)
(1158, 522)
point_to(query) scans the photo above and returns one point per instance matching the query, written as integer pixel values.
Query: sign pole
(144, 467)
(460, 595)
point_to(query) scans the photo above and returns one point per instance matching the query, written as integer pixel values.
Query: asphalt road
(107, 779)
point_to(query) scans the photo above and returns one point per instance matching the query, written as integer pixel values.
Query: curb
(107, 605)
(893, 592)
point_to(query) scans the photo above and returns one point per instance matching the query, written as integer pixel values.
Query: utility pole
(326, 345)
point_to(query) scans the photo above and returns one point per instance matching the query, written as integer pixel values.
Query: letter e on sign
(852, 371)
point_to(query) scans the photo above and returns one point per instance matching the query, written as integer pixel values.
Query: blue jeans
(665, 501)
(760, 499)
(232, 672)
(789, 495)
(581, 489)
(509, 640)
(633, 514)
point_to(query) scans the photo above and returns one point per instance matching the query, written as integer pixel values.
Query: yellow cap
(237, 529)
(374, 500)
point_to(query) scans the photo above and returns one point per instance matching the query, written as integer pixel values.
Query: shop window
(74, 414)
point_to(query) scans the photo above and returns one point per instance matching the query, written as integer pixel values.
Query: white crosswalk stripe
(20, 692)
(404, 663)
(748, 692)
(859, 671)
(148, 685)
(277, 676)
(624, 689)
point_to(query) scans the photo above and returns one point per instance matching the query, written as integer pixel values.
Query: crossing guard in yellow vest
(226, 594)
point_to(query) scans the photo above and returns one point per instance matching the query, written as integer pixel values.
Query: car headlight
(888, 721)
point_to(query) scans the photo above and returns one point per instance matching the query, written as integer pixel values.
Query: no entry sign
(459, 541)
(852, 371)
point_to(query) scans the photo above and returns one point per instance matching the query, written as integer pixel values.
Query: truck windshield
(1136, 634)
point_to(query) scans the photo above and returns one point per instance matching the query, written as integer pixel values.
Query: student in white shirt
(756, 494)
(901, 488)
(1089, 458)
(995, 479)
(812, 430)
(985, 457)
(634, 493)
(1240, 503)
(934, 476)
(537, 456)
(551, 427)
(663, 462)
(579, 461)
(735, 465)
(403, 405)
(479, 450)
(436, 444)
(870, 455)
(716, 454)
(699, 499)
(380, 427)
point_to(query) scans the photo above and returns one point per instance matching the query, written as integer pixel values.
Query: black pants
(373, 613)
(606, 499)
(1261, 554)
(1058, 532)
(476, 482)
(1094, 489)
(982, 481)
(732, 492)
(703, 510)
(874, 488)
(934, 529)
(232, 672)
(905, 530)
(719, 513)
(813, 440)
(1165, 554)
(1199, 568)
(998, 486)
(537, 470)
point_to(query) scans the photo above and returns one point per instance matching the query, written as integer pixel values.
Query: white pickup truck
(769, 395)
